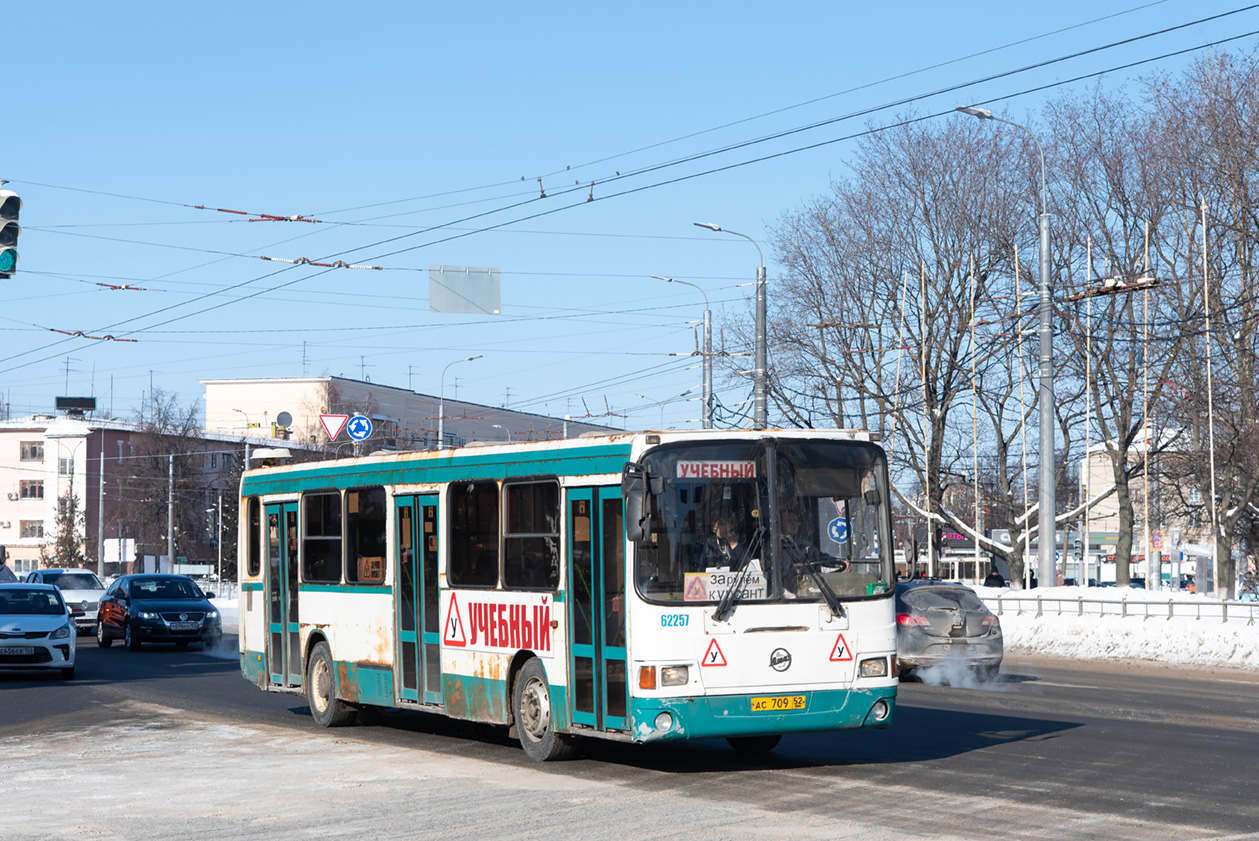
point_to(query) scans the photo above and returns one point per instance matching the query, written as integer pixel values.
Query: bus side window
(531, 542)
(321, 538)
(365, 530)
(473, 534)
(254, 539)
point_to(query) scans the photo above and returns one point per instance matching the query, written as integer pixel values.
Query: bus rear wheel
(532, 709)
(754, 744)
(321, 691)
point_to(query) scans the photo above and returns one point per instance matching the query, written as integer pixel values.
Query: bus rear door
(284, 656)
(596, 575)
(415, 604)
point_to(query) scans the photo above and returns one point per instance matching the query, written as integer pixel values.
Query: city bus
(582, 587)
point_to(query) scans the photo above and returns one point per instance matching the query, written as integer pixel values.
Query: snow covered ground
(1060, 632)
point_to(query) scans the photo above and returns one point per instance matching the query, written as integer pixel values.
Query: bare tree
(898, 314)
(1112, 209)
(1209, 128)
(164, 472)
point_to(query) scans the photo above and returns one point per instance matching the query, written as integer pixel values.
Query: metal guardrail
(1021, 602)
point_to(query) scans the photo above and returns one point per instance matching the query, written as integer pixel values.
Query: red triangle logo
(841, 651)
(454, 626)
(713, 656)
(333, 424)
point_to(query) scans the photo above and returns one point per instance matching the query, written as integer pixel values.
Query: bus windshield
(779, 520)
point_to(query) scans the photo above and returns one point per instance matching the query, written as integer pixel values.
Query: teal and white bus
(638, 587)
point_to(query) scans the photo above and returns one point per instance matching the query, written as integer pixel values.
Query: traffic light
(10, 209)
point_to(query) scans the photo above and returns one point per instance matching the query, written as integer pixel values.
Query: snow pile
(1183, 640)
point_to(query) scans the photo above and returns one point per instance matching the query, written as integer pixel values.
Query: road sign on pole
(333, 424)
(359, 427)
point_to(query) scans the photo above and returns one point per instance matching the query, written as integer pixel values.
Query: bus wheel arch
(321, 689)
(517, 663)
(532, 716)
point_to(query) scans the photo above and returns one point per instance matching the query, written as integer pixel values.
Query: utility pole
(170, 514)
(219, 575)
(760, 405)
(100, 511)
(708, 350)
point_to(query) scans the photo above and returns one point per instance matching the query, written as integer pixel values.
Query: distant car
(157, 608)
(36, 631)
(80, 588)
(939, 622)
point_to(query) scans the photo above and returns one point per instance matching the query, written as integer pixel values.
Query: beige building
(44, 458)
(290, 407)
(1169, 532)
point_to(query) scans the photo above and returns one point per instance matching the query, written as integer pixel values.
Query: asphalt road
(161, 743)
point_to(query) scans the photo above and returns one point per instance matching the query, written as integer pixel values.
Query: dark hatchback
(938, 623)
(157, 608)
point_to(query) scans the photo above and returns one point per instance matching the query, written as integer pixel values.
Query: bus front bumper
(723, 716)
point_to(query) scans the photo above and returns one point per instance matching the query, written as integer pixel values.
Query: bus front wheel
(534, 723)
(321, 690)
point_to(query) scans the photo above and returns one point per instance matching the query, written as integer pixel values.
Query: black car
(938, 623)
(157, 608)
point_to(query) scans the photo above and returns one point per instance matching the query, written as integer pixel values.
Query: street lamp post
(506, 433)
(1047, 569)
(247, 426)
(441, 402)
(708, 349)
(216, 517)
(760, 413)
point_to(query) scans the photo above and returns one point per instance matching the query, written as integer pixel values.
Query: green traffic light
(8, 260)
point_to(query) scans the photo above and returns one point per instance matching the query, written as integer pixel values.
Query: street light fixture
(760, 413)
(441, 403)
(1048, 573)
(708, 349)
(663, 403)
(506, 433)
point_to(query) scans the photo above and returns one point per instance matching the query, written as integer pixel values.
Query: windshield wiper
(832, 600)
(726, 606)
(802, 558)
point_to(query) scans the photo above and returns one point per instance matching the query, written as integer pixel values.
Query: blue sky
(397, 123)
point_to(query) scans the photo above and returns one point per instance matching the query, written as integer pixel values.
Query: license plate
(778, 703)
(15, 650)
(185, 626)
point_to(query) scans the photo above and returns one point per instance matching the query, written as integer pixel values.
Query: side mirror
(209, 596)
(636, 483)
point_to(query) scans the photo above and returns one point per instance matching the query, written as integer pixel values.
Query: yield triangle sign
(454, 626)
(713, 656)
(841, 651)
(333, 424)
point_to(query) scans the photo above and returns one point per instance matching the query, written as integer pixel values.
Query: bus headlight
(874, 667)
(675, 676)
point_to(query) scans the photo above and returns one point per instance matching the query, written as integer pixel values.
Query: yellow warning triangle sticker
(454, 626)
(841, 651)
(713, 656)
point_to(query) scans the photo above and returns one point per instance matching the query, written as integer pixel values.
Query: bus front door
(596, 574)
(284, 656)
(415, 601)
